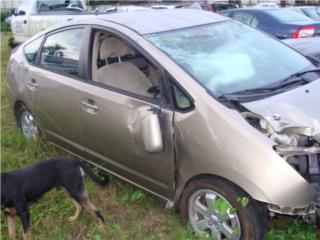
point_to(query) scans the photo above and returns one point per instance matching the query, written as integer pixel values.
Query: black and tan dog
(21, 187)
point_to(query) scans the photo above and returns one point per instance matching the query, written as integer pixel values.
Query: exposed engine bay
(297, 138)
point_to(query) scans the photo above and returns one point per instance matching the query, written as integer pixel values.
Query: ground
(130, 213)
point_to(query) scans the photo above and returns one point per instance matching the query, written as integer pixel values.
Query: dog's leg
(78, 208)
(11, 225)
(78, 211)
(87, 205)
(23, 213)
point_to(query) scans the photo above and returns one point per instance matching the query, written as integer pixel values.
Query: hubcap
(28, 126)
(211, 213)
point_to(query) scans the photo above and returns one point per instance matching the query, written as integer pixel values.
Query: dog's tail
(100, 181)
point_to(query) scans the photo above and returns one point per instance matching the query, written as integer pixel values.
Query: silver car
(216, 118)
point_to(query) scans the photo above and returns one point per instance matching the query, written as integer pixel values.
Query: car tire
(242, 221)
(27, 124)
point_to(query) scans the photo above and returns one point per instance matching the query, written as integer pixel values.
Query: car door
(55, 83)
(112, 120)
(19, 21)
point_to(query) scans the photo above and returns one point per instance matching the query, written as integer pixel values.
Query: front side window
(119, 65)
(31, 49)
(229, 56)
(61, 52)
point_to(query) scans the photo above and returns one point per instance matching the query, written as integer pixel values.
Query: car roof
(146, 22)
(302, 7)
(256, 9)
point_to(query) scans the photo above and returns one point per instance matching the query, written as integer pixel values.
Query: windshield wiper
(268, 90)
(299, 74)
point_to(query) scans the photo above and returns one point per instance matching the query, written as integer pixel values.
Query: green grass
(3, 26)
(129, 212)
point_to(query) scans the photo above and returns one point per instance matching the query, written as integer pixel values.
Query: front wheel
(28, 124)
(221, 210)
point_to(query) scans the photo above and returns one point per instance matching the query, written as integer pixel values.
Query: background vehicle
(266, 5)
(279, 22)
(126, 9)
(162, 7)
(151, 99)
(32, 16)
(311, 12)
(200, 4)
(308, 46)
(220, 6)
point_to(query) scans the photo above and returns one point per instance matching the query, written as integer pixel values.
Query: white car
(266, 5)
(158, 7)
(126, 9)
(33, 16)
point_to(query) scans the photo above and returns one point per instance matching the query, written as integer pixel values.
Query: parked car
(214, 7)
(266, 5)
(308, 46)
(309, 11)
(204, 5)
(118, 9)
(218, 119)
(281, 23)
(32, 16)
(221, 6)
(158, 7)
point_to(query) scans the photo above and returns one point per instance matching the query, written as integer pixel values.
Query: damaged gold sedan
(216, 118)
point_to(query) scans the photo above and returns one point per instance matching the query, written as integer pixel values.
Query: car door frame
(81, 77)
(168, 105)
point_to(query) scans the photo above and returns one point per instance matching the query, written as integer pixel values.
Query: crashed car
(216, 118)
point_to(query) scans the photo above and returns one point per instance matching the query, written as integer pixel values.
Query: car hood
(298, 107)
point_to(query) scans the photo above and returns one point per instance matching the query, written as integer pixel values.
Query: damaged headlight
(297, 141)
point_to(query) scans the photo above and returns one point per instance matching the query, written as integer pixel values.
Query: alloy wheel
(211, 213)
(28, 125)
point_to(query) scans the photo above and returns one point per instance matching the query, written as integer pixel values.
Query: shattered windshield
(229, 56)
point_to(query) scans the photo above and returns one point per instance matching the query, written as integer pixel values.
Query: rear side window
(246, 18)
(31, 49)
(61, 51)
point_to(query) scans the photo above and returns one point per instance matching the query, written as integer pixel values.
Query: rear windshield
(287, 16)
(313, 13)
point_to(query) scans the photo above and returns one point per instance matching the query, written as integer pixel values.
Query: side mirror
(151, 134)
(21, 13)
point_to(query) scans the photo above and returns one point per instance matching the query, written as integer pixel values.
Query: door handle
(32, 84)
(89, 106)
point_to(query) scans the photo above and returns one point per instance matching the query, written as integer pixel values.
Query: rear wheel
(221, 210)
(27, 124)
